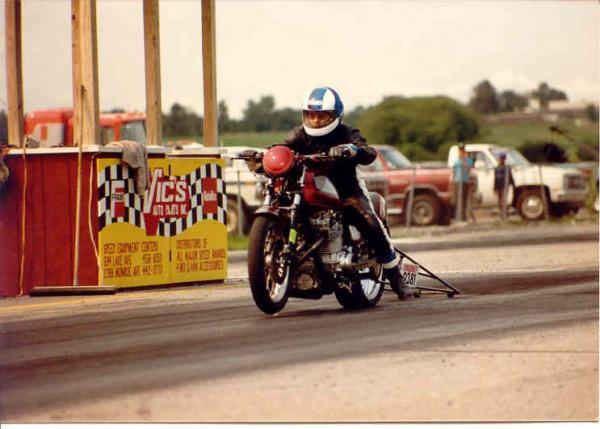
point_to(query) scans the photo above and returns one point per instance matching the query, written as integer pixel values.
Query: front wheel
(362, 292)
(268, 269)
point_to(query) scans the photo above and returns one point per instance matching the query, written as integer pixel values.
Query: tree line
(258, 116)
(422, 127)
(486, 99)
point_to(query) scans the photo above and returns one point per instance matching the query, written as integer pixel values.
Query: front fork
(289, 249)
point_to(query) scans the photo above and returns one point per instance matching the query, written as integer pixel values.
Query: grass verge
(237, 242)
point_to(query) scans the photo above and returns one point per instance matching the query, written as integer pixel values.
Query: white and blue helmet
(322, 111)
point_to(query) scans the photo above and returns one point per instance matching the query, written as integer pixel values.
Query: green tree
(285, 119)
(591, 112)
(419, 126)
(484, 99)
(224, 122)
(182, 121)
(545, 94)
(352, 117)
(258, 116)
(510, 101)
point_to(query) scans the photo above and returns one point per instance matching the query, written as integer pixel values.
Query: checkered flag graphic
(118, 178)
(118, 202)
(172, 227)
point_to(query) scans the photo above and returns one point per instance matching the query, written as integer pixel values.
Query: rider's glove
(249, 153)
(253, 159)
(344, 151)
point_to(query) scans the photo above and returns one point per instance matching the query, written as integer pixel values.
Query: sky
(366, 50)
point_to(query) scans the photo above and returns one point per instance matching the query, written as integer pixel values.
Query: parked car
(565, 189)
(432, 198)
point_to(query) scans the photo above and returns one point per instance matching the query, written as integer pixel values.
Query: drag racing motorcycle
(301, 243)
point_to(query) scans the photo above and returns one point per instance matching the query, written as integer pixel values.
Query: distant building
(565, 109)
(577, 111)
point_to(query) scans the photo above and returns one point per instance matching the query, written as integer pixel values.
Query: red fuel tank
(319, 191)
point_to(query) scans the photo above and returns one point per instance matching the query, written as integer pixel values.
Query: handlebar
(297, 157)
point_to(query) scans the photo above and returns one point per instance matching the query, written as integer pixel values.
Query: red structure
(49, 234)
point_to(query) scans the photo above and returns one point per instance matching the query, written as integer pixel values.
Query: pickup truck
(564, 189)
(432, 201)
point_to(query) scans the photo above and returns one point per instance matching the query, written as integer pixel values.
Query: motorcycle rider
(322, 131)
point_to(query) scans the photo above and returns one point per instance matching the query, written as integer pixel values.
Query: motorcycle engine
(329, 224)
(305, 278)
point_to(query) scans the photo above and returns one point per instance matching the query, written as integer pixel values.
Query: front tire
(268, 273)
(364, 292)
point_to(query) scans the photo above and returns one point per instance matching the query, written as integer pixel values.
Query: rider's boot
(394, 275)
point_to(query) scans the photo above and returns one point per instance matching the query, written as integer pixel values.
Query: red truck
(54, 127)
(432, 201)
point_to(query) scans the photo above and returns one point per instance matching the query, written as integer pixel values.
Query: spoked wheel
(362, 292)
(268, 271)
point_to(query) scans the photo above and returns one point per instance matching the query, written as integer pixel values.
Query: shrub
(419, 125)
(543, 151)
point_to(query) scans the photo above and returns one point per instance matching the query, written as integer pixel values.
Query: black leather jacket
(342, 172)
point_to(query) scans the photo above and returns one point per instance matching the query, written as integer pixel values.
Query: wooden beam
(85, 73)
(14, 71)
(152, 61)
(209, 71)
(76, 69)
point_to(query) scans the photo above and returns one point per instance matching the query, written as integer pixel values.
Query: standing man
(460, 179)
(502, 180)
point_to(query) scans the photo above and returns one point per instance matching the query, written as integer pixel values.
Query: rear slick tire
(362, 293)
(269, 280)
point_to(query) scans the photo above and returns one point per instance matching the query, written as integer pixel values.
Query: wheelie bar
(450, 291)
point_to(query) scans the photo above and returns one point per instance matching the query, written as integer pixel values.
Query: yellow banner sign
(176, 232)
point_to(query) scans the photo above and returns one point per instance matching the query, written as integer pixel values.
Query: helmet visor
(317, 118)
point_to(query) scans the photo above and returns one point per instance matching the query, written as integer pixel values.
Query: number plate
(410, 273)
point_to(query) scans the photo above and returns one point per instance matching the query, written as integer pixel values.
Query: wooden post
(76, 69)
(14, 71)
(209, 71)
(86, 130)
(152, 61)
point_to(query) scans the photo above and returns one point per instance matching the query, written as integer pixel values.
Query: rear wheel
(362, 292)
(531, 204)
(268, 270)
